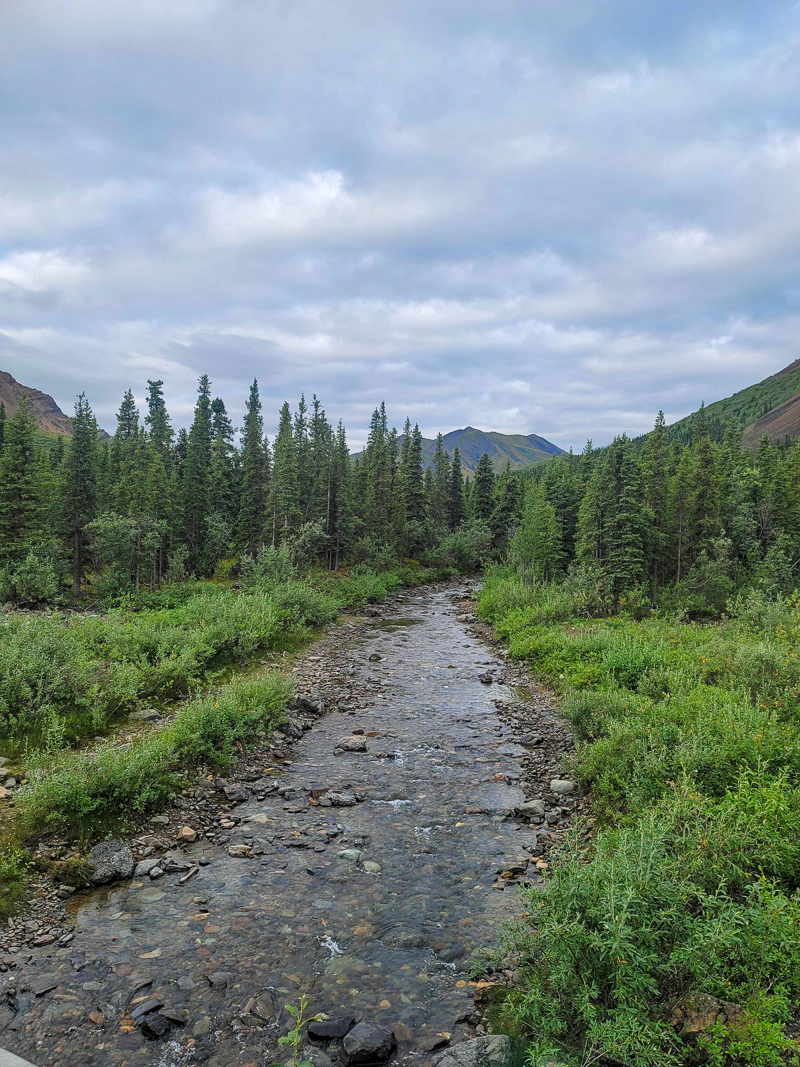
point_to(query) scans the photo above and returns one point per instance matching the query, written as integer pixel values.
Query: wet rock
(144, 867)
(239, 851)
(44, 985)
(292, 728)
(352, 744)
(532, 809)
(111, 861)
(339, 800)
(146, 1006)
(371, 867)
(368, 1043)
(97, 1018)
(156, 872)
(176, 1015)
(486, 678)
(155, 1027)
(236, 794)
(350, 855)
(43, 940)
(375, 658)
(490, 1051)
(434, 1041)
(218, 979)
(328, 1029)
(562, 786)
(160, 820)
(186, 835)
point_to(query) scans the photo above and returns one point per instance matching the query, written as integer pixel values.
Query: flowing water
(392, 945)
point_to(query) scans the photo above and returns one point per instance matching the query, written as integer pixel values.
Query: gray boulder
(562, 786)
(111, 861)
(368, 1043)
(492, 1051)
(532, 809)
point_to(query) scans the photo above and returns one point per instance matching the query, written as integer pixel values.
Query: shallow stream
(392, 945)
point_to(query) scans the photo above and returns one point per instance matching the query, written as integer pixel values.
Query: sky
(522, 216)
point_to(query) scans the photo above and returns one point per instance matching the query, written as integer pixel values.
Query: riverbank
(367, 864)
(670, 935)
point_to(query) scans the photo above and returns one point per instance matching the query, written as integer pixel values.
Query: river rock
(491, 1051)
(486, 678)
(144, 867)
(350, 855)
(186, 835)
(352, 744)
(328, 1029)
(371, 867)
(339, 800)
(368, 1043)
(111, 861)
(154, 1027)
(532, 808)
(562, 786)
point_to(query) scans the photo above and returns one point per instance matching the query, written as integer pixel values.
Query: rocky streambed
(364, 861)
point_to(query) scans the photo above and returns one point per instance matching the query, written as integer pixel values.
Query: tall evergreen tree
(285, 494)
(483, 490)
(253, 505)
(455, 492)
(79, 485)
(196, 481)
(20, 487)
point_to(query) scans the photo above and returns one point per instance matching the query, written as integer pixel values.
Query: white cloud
(39, 272)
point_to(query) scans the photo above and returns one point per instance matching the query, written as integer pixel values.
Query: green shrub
(15, 867)
(612, 945)
(688, 740)
(88, 792)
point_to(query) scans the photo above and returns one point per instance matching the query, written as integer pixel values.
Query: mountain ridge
(46, 411)
(521, 450)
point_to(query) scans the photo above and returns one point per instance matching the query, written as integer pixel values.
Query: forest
(149, 507)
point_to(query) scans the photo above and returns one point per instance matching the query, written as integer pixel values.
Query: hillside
(519, 449)
(771, 406)
(48, 414)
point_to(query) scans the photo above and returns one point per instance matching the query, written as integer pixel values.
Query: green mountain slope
(519, 449)
(751, 404)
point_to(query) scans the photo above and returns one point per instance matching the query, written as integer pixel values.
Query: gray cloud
(510, 215)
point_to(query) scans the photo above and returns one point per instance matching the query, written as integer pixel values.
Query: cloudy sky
(525, 216)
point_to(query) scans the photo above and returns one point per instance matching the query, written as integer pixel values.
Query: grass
(688, 738)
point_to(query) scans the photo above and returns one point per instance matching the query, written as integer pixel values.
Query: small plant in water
(295, 1036)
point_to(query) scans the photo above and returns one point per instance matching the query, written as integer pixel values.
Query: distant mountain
(519, 449)
(48, 414)
(771, 406)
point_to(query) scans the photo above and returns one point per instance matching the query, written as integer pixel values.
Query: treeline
(667, 523)
(150, 505)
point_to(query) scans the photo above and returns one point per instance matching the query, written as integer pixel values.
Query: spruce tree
(157, 419)
(440, 490)
(2, 425)
(79, 486)
(253, 500)
(20, 490)
(285, 496)
(196, 479)
(483, 490)
(455, 492)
